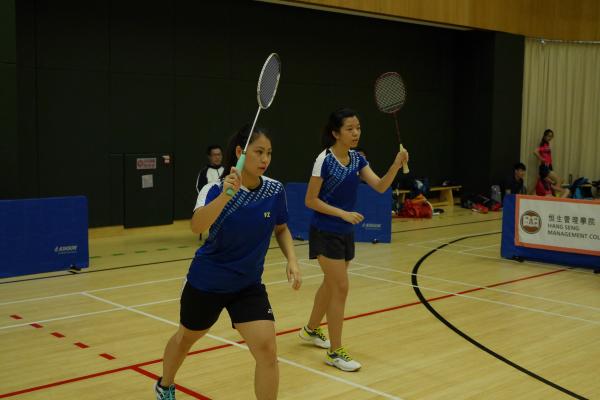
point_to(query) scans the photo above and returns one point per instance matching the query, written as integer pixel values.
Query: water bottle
(495, 193)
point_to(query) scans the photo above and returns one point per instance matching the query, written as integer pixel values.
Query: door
(148, 190)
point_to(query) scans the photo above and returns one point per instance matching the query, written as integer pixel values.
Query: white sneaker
(315, 336)
(342, 360)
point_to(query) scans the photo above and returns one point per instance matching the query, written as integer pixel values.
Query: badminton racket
(390, 96)
(268, 81)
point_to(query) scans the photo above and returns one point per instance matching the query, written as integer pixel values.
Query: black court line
(304, 243)
(423, 300)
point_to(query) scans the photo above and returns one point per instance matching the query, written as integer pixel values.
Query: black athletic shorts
(200, 310)
(337, 246)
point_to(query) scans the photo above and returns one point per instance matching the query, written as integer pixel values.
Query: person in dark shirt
(226, 271)
(331, 194)
(515, 184)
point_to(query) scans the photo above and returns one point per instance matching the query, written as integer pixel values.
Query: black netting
(269, 79)
(390, 93)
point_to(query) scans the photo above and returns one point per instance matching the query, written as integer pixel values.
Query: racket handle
(405, 169)
(239, 167)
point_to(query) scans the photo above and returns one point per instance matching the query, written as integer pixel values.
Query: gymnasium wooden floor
(437, 314)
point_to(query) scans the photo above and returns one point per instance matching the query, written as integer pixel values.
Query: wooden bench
(446, 196)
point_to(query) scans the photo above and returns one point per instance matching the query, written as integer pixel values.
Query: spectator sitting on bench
(515, 184)
(545, 186)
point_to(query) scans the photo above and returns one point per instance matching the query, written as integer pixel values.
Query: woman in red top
(544, 154)
(545, 186)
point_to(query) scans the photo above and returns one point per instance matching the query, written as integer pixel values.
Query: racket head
(268, 81)
(390, 92)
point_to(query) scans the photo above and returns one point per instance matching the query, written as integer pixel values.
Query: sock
(160, 384)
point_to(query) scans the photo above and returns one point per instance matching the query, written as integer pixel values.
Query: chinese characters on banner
(566, 225)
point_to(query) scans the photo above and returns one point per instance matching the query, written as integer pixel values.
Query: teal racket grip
(239, 167)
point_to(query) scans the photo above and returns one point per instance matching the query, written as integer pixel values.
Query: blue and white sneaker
(163, 393)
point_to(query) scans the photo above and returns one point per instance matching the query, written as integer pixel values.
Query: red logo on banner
(531, 222)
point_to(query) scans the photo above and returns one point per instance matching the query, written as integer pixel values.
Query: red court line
(36, 325)
(221, 346)
(136, 367)
(108, 372)
(107, 356)
(82, 345)
(182, 389)
(63, 382)
(527, 277)
(15, 316)
(451, 295)
(58, 334)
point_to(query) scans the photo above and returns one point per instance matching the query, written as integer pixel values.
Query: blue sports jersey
(340, 184)
(233, 256)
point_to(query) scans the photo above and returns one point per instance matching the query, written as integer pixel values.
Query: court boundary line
(469, 339)
(490, 287)
(463, 295)
(73, 316)
(111, 288)
(304, 243)
(239, 344)
(414, 244)
(281, 333)
(304, 262)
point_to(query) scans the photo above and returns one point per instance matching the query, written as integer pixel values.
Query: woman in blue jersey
(226, 271)
(331, 194)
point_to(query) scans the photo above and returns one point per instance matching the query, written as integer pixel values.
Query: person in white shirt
(213, 170)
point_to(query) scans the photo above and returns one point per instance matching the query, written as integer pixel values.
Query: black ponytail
(335, 122)
(546, 133)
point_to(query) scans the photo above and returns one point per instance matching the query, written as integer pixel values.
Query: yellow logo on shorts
(267, 214)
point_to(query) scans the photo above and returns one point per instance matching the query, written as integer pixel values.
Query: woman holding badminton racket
(331, 194)
(226, 271)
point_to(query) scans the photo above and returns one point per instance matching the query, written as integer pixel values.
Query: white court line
(480, 299)
(440, 242)
(156, 302)
(413, 244)
(468, 297)
(468, 251)
(445, 250)
(266, 284)
(91, 291)
(449, 238)
(61, 318)
(457, 245)
(280, 359)
(576, 305)
(505, 261)
(118, 309)
(484, 247)
(108, 288)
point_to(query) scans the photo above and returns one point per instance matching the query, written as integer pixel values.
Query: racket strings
(269, 79)
(390, 93)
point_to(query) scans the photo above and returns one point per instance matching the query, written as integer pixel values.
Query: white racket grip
(405, 169)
